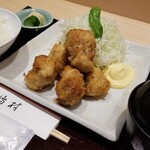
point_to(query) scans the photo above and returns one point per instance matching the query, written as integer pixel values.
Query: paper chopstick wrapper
(14, 107)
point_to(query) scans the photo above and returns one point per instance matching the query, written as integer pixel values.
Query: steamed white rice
(6, 32)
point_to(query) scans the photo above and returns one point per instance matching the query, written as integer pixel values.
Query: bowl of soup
(138, 117)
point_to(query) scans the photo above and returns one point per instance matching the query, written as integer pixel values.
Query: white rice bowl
(10, 26)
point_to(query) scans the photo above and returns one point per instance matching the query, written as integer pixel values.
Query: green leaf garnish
(31, 21)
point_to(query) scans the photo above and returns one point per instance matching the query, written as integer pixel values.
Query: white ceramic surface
(105, 116)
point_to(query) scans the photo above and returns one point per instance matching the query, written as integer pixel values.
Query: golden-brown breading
(80, 45)
(96, 83)
(42, 74)
(80, 40)
(70, 88)
(58, 55)
(82, 63)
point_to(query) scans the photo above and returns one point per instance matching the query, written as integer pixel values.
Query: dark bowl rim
(131, 113)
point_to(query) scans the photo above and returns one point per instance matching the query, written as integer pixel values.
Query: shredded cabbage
(109, 49)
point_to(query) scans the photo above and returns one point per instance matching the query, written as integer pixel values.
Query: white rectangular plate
(105, 117)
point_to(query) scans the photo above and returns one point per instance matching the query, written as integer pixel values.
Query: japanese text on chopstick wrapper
(14, 105)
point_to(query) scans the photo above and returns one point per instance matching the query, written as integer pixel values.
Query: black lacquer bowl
(138, 117)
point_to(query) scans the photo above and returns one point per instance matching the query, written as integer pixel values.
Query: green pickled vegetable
(94, 21)
(31, 21)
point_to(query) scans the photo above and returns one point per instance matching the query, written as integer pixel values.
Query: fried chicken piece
(58, 55)
(80, 45)
(82, 63)
(96, 83)
(70, 88)
(42, 74)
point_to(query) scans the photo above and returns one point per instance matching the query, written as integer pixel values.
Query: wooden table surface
(132, 29)
(135, 9)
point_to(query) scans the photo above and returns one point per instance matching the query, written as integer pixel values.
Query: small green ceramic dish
(23, 14)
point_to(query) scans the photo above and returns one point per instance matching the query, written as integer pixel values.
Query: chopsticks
(59, 135)
(55, 133)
